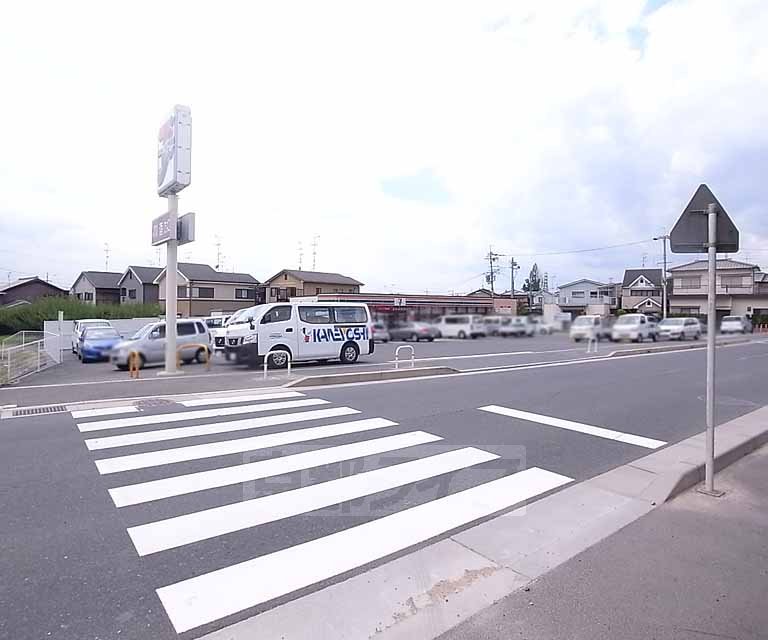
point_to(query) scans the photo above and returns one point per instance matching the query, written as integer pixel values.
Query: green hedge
(30, 317)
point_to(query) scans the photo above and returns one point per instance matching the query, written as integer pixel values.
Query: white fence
(28, 352)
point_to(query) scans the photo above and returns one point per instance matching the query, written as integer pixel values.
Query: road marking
(760, 355)
(214, 428)
(240, 445)
(109, 411)
(222, 477)
(201, 402)
(208, 597)
(162, 418)
(600, 432)
(203, 525)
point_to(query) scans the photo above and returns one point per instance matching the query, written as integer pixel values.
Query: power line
(562, 253)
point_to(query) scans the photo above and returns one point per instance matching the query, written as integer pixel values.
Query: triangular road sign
(690, 233)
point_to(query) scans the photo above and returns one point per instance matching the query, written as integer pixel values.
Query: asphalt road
(80, 558)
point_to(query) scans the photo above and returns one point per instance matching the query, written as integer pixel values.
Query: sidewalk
(694, 568)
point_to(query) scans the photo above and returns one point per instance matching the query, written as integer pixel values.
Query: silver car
(735, 324)
(193, 340)
(679, 328)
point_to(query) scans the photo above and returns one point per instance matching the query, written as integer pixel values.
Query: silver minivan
(192, 338)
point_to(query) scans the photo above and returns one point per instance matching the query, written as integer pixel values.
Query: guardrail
(397, 355)
(266, 360)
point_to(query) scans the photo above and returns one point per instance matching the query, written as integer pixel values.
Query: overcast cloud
(409, 136)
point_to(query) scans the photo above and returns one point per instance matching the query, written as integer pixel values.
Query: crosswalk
(156, 459)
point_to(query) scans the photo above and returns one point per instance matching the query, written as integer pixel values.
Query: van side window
(277, 314)
(350, 314)
(160, 331)
(200, 327)
(315, 315)
(186, 328)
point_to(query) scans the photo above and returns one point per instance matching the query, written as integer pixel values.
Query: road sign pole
(709, 469)
(170, 289)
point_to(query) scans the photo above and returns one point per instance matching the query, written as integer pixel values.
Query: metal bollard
(397, 355)
(266, 361)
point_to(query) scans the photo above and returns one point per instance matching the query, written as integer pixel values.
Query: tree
(533, 281)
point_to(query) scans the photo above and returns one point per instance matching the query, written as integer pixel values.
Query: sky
(407, 138)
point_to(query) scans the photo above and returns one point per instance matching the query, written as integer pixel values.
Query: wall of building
(82, 289)
(630, 301)
(287, 281)
(223, 298)
(107, 296)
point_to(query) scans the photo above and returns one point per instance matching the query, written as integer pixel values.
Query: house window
(88, 295)
(132, 294)
(318, 290)
(691, 282)
(593, 295)
(202, 292)
(731, 281)
(122, 291)
(291, 292)
(243, 294)
(130, 275)
(274, 292)
(578, 294)
(181, 292)
(285, 276)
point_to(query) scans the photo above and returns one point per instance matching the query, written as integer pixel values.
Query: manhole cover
(153, 403)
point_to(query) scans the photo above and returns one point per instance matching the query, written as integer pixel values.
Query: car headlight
(251, 338)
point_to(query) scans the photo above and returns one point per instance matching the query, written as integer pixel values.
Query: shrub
(30, 317)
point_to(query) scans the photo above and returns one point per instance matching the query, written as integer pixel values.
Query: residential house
(587, 296)
(641, 291)
(137, 286)
(97, 287)
(202, 290)
(290, 283)
(741, 289)
(540, 298)
(26, 290)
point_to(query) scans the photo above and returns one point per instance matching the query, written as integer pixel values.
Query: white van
(217, 328)
(306, 330)
(633, 326)
(461, 326)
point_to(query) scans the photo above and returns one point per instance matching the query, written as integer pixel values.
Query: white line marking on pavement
(222, 477)
(208, 597)
(109, 411)
(201, 402)
(215, 427)
(203, 525)
(486, 355)
(241, 445)
(600, 432)
(161, 418)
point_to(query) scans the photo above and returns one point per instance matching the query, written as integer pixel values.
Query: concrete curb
(368, 376)
(680, 346)
(429, 591)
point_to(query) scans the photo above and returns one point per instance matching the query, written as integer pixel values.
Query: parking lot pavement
(183, 517)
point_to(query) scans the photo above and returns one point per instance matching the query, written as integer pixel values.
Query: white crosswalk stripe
(196, 600)
(162, 418)
(212, 428)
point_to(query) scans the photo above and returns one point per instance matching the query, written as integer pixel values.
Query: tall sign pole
(709, 471)
(174, 171)
(705, 224)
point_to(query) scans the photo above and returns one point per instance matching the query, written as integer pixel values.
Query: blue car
(96, 343)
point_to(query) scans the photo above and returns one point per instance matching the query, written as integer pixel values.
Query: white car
(679, 329)
(517, 326)
(633, 326)
(217, 328)
(735, 324)
(589, 327)
(461, 326)
(80, 326)
(541, 327)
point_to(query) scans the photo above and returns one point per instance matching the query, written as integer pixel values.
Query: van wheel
(349, 353)
(200, 356)
(462, 335)
(277, 361)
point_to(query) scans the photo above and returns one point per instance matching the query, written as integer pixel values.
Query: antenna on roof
(301, 254)
(315, 238)
(218, 253)
(106, 257)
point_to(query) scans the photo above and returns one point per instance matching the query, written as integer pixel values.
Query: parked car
(493, 324)
(461, 326)
(633, 326)
(735, 324)
(415, 331)
(517, 326)
(679, 328)
(541, 327)
(96, 343)
(193, 340)
(380, 333)
(586, 327)
(79, 327)
(217, 327)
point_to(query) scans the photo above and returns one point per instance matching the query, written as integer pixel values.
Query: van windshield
(732, 319)
(583, 321)
(625, 320)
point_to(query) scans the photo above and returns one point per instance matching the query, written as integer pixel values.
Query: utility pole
(664, 239)
(492, 258)
(218, 254)
(106, 257)
(315, 238)
(301, 254)
(512, 267)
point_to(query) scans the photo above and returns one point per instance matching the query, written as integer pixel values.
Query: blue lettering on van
(336, 334)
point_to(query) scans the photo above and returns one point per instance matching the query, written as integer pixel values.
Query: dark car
(96, 343)
(413, 331)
